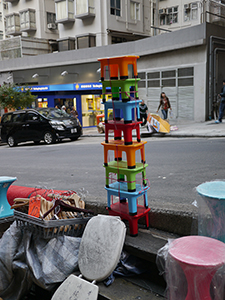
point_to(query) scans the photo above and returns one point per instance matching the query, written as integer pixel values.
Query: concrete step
(124, 289)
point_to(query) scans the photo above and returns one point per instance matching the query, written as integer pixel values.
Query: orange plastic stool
(119, 146)
(119, 63)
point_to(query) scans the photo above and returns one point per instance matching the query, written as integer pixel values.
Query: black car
(48, 124)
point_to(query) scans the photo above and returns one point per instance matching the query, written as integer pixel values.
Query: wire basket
(48, 229)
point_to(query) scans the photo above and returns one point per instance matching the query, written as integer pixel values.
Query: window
(0, 16)
(85, 7)
(166, 74)
(32, 117)
(13, 23)
(51, 17)
(190, 11)
(66, 45)
(18, 117)
(153, 79)
(168, 15)
(64, 10)
(5, 6)
(1, 35)
(115, 8)
(117, 40)
(186, 76)
(135, 10)
(172, 15)
(86, 41)
(27, 20)
(141, 83)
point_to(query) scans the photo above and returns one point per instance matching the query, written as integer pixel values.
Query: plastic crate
(48, 229)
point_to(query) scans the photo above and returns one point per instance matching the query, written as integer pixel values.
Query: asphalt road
(175, 167)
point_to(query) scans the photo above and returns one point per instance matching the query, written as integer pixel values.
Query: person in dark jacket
(143, 112)
(222, 104)
(165, 104)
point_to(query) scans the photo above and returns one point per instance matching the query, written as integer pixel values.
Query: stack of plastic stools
(121, 175)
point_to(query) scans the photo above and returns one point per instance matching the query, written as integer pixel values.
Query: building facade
(93, 23)
(31, 18)
(177, 14)
(187, 64)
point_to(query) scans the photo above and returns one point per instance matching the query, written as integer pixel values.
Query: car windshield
(54, 113)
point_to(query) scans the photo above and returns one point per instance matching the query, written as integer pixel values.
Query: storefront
(85, 97)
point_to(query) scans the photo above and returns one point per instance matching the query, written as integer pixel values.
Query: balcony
(89, 14)
(64, 11)
(13, 24)
(27, 20)
(85, 9)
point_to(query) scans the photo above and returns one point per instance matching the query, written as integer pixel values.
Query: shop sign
(87, 86)
(64, 87)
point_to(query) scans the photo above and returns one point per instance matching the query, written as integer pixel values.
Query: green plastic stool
(120, 168)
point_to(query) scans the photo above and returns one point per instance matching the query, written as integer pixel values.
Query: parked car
(47, 124)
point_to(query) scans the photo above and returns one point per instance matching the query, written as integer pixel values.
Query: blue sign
(87, 86)
(64, 87)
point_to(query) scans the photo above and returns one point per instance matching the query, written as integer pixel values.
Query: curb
(164, 224)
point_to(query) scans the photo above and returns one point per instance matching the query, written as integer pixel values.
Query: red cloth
(15, 191)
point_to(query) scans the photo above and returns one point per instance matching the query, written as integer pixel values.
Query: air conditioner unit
(51, 26)
(162, 11)
(187, 6)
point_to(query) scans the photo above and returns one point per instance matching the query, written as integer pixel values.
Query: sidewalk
(181, 128)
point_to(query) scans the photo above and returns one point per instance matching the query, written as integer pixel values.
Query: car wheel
(49, 138)
(74, 138)
(11, 141)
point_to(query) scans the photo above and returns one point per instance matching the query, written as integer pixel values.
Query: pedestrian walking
(222, 104)
(74, 112)
(165, 104)
(143, 112)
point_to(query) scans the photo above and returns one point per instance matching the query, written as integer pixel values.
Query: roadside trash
(64, 215)
(156, 124)
(99, 253)
(26, 260)
(129, 265)
(173, 128)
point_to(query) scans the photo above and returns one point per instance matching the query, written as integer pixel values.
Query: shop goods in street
(122, 175)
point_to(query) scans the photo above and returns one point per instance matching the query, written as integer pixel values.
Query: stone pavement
(179, 128)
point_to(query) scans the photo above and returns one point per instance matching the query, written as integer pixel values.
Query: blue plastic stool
(127, 109)
(5, 208)
(119, 189)
(213, 193)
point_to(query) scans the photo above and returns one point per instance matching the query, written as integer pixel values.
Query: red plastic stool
(199, 257)
(121, 209)
(118, 127)
(100, 118)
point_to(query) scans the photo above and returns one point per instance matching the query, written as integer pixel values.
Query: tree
(12, 97)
